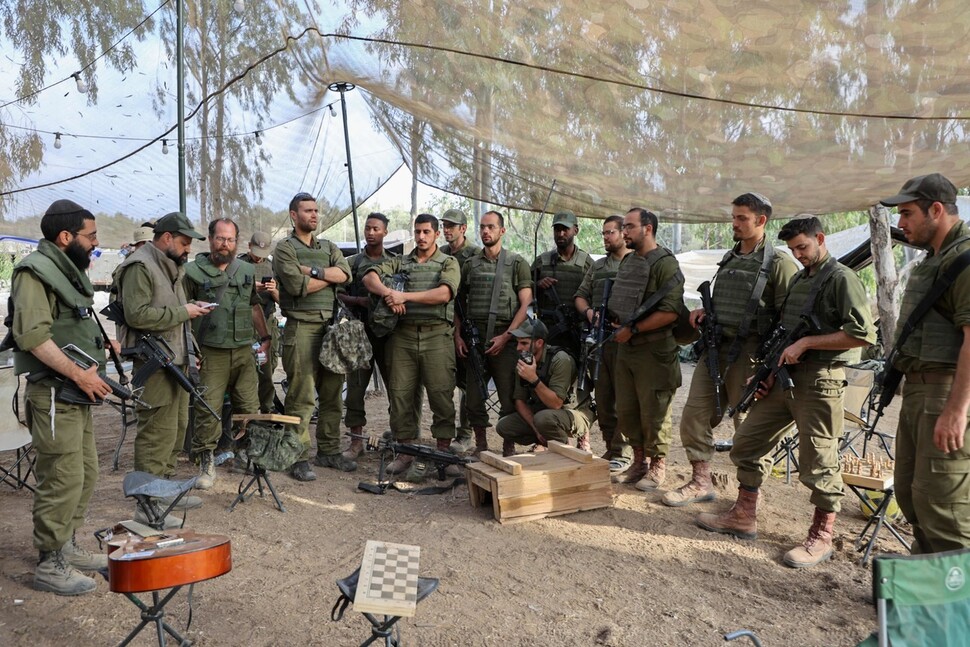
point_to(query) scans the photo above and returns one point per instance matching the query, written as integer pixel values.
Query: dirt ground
(638, 573)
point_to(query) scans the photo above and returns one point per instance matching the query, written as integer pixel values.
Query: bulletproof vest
(733, 285)
(543, 371)
(829, 322)
(422, 277)
(359, 264)
(231, 324)
(602, 270)
(935, 339)
(462, 254)
(568, 278)
(168, 292)
(321, 257)
(481, 274)
(630, 286)
(261, 272)
(73, 319)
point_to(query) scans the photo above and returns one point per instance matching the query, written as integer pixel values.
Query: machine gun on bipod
(389, 449)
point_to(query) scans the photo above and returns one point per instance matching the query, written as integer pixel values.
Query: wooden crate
(532, 486)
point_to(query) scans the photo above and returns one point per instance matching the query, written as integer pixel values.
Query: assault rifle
(156, 354)
(597, 332)
(69, 392)
(473, 339)
(767, 361)
(390, 448)
(710, 340)
(564, 314)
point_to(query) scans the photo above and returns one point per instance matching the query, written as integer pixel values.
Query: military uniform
(226, 337)
(308, 317)
(815, 404)
(267, 387)
(150, 288)
(557, 370)
(464, 430)
(560, 316)
(932, 486)
(53, 300)
(648, 366)
(477, 276)
(421, 350)
(736, 277)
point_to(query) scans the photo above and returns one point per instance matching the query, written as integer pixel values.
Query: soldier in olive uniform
(545, 402)
(932, 473)
(260, 247)
(454, 225)
(421, 350)
(52, 300)
(588, 300)
(359, 300)
(749, 289)
(309, 269)
(836, 297)
(511, 297)
(225, 336)
(647, 364)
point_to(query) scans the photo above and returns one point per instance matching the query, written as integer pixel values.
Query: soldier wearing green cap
(309, 270)
(52, 300)
(149, 285)
(454, 224)
(545, 403)
(268, 293)
(932, 471)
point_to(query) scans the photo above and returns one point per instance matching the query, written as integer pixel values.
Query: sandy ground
(638, 573)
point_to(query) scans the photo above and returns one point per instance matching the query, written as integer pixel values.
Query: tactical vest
(320, 256)
(231, 324)
(262, 271)
(568, 277)
(542, 373)
(935, 339)
(74, 299)
(734, 281)
(630, 287)
(602, 270)
(168, 293)
(422, 277)
(462, 254)
(829, 322)
(481, 274)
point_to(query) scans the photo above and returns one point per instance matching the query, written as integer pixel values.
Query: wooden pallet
(532, 486)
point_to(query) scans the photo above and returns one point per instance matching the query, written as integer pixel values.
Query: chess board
(388, 581)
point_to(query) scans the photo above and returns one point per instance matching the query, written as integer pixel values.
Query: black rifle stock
(767, 361)
(473, 340)
(711, 336)
(593, 341)
(70, 393)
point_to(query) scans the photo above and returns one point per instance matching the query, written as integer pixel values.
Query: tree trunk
(884, 265)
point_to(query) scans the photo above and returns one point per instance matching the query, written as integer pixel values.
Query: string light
(164, 147)
(57, 140)
(333, 113)
(82, 87)
(259, 138)
(239, 6)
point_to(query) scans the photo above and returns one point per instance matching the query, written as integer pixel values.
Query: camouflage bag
(382, 318)
(345, 346)
(273, 448)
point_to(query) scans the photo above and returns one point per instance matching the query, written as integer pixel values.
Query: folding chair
(921, 600)
(14, 436)
(856, 409)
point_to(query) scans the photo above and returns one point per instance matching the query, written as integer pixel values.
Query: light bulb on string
(57, 140)
(82, 87)
(164, 147)
(259, 138)
(239, 6)
(333, 113)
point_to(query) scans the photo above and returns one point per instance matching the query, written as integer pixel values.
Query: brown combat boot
(699, 488)
(655, 476)
(481, 441)
(356, 448)
(818, 546)
(741, 520)
(638, 469)
(443, 444)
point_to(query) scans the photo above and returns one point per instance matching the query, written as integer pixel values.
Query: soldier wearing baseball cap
(177, 223)
(931, 456)
(545, 406)
(260, 247)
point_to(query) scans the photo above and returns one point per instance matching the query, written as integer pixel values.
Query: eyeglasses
(630, 225)
(228, 241)
(610, 232)
(93, 236)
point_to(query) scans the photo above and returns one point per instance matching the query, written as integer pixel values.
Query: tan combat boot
(207, 471)
(481, 441)
(655, 476)
(82, 559)
(54, 574)
(818, 546)
(638, 469)
(699, 488)
(356, 448)
(741, 520)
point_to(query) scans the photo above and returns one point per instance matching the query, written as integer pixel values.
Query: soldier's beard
(222, 259)
(178, 260)
(79, 256)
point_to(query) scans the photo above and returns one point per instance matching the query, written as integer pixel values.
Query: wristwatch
(534, 384)
(315, 273)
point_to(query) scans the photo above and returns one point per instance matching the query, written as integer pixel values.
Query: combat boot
(818, 546)
(54, 574)
(400, 464)
(170, 521)
(508, 447)
(335, 461)
(356, 444)
(655, 476)
(741, 520)
(464, 442)
(582, 442)
(82, 559)
(638, 469)
(301, 471)
(699, 488)
(481, 441)
(207, 471)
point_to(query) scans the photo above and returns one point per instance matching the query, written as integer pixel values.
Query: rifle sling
(651, 302)
(496, 291)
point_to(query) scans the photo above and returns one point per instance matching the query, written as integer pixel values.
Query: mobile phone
(209, 305)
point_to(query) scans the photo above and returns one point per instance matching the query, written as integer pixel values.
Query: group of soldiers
(458, 316)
